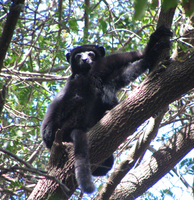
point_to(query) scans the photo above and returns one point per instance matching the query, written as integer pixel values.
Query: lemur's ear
(102, 51)
(68, 57)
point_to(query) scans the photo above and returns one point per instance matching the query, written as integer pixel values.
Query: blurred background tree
(35, 69)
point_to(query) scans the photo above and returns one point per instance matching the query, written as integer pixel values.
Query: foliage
(35, 69)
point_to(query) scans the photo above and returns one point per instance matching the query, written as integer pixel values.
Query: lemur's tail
(82, 163)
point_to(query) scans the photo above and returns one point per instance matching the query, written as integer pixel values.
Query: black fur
(90, 92)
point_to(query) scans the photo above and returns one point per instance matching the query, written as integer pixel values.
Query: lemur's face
(82, 58)
(85, 58)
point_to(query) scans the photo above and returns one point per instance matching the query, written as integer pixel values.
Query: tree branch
(9, 28)
(163, 160)
(86, 18)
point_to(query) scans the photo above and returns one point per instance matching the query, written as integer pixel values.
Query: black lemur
(89, 92)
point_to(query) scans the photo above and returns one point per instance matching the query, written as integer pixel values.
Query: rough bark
(160, 163)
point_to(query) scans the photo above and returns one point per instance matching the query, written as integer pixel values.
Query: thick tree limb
(166, 18)
(162, 161)
(9, 28)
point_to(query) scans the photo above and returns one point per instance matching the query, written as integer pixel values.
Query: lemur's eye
(92, 55)
(78, 56)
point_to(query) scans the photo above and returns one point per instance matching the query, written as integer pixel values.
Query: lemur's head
(81, 58)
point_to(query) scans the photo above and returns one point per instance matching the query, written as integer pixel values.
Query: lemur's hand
(159, 40)
(160, 34)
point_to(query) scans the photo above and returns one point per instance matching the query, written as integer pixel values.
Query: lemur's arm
(106, 66)
(118, 63)
(122, 72)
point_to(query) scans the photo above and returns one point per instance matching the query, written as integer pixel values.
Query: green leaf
(188, 6)
(140, 6)
(169, 4)
(104, 25)
(154, 4)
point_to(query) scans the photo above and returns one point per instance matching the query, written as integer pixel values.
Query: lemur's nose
(84, 60)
